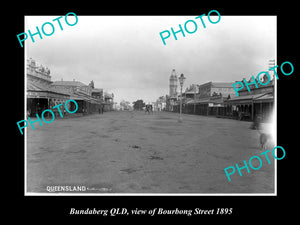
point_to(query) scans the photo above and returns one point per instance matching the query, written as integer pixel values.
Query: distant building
(173, 85)
(172, 98)
(212, 88)
(209, 98)
(108, 101)
(72, 87)
(160, 104)
(125, 105)
(191, 91)
(87, 101)
(97, 93)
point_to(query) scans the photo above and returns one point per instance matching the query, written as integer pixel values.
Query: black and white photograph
(150, 105)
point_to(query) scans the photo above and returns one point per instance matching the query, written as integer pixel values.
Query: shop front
(250, 107)
(38, 101)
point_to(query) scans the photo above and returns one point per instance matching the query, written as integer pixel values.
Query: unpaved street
(133, 152)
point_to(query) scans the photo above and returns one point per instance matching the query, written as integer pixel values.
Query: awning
(37, 90)
(217, 101)
(87, 98)
(265, 98)
(212, 102)
(215, 104)
(198, 101)
(46, 94)
(247, 99)
(191, 101)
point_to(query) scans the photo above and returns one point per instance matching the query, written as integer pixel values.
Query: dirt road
(133, 152)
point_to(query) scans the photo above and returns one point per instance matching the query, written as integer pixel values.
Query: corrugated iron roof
(252, 97)
(222, 84)
(38, 87)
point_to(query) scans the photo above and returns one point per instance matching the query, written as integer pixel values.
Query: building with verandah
(81, 93)
(39, 92)
(258, 103)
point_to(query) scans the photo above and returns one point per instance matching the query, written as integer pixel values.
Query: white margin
(143, 194)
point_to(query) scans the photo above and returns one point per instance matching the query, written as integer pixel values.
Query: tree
(138, 105)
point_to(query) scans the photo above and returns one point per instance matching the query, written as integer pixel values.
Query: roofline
(54, 83)
(47, 91)
(215, 83)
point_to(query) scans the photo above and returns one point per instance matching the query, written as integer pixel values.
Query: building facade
(219, 99)
(82, 93)
(160, 104)
(258, 103)
(207, 98)
(40, 94)
(108, 102)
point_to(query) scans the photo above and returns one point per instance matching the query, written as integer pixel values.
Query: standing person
(256, 123)
(38, 108)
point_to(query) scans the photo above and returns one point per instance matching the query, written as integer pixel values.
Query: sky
(125, 55)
